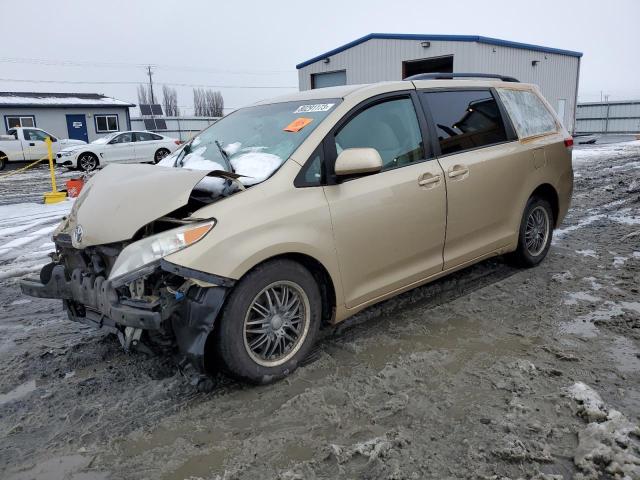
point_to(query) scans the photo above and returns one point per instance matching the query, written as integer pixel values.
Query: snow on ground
(25, 236)
(611, 151)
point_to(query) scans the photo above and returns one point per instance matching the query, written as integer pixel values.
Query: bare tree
(207, 103)
(170, 101)
(143, 95)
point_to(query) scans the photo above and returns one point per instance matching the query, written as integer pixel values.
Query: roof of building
(46, 99)
(445, 38)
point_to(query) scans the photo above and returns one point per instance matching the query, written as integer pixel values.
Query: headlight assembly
(148, 250)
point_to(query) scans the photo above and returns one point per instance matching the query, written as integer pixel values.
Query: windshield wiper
(224, 156)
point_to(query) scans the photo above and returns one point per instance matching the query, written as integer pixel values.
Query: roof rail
(451, 76)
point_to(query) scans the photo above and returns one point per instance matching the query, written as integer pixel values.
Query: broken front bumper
(188, 316)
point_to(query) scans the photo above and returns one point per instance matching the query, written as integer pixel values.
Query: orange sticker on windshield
(298, 124)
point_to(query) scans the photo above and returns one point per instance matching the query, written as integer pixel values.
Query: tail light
(179, 142)
(568, 142)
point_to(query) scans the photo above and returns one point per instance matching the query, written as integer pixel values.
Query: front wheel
(3, 161)
(269, 322)
(536, 232)
(87, 162)
(160, 154)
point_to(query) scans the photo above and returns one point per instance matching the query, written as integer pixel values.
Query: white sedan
(119, 147)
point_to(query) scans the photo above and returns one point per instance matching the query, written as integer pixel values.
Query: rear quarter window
(529, 115)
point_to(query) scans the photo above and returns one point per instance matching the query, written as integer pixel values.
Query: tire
(88, 162)
(535, 234)
(160, 154)
(3, 161)
(245, 335)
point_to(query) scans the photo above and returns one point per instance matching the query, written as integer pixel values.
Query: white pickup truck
(21, 144)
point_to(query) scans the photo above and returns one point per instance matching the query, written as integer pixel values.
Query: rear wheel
(160, 154)
(536, 232)
(269, 322)
(87, 162)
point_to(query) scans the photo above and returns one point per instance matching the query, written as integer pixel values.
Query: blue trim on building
(6, 120)
(444, 38)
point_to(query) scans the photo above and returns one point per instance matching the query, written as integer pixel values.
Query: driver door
(389, 227)
(121, 149)
(35, 144)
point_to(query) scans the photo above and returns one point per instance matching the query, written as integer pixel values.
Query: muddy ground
(468, 377)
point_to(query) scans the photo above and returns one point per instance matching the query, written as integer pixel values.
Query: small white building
(81, 116)
(385, 56)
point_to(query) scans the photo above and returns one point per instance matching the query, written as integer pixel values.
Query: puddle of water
(66, 467)
(199, 466)
(574, 297)
(584, 324)
(18, 392)
(625, 354)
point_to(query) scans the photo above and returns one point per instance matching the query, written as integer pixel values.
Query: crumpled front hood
(121, 199)
(73, 148)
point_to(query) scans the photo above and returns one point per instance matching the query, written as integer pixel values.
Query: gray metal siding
(181, 128)
(381, 59)
(54, 120)
(614, 117)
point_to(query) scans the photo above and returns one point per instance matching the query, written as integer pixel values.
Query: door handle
(32, 144)
(457, 171)
(424, 181)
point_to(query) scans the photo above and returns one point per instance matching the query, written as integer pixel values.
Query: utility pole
(150, 73)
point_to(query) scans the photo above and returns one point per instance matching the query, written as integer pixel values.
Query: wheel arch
(550, 194)
(321, 275)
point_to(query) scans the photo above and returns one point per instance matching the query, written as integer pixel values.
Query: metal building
(81, 116)
(383, 56)
(608, 117)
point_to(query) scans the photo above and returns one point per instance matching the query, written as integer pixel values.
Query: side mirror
(358, 160)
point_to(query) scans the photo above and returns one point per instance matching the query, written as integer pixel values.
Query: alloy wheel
(536, 232)
(276, 323)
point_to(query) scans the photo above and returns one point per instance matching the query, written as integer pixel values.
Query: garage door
(329, 79)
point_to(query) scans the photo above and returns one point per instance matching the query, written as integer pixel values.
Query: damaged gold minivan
(306, 209)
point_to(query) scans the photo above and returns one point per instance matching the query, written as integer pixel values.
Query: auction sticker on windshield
(298, 124)
(317, 107)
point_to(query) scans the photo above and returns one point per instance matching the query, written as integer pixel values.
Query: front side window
(20, 121)
(35, 135)
(124, 138)
(465, 119)
(391, 128)
(106, 123)
(528, 113)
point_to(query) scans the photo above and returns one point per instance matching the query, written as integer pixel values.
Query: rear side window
(465, 119)
(529, 115)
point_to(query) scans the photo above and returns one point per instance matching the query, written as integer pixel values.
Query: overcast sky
(258, 43)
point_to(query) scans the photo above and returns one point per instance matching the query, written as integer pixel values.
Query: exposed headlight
(153, 248)
(67, 154)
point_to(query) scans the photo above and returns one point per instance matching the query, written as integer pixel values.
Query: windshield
(253, 142)
(106, 139)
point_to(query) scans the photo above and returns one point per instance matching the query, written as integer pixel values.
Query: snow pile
(255, 166)
(610, 442)
(25, 236)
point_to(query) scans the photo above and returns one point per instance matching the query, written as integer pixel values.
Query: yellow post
(54, 196)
